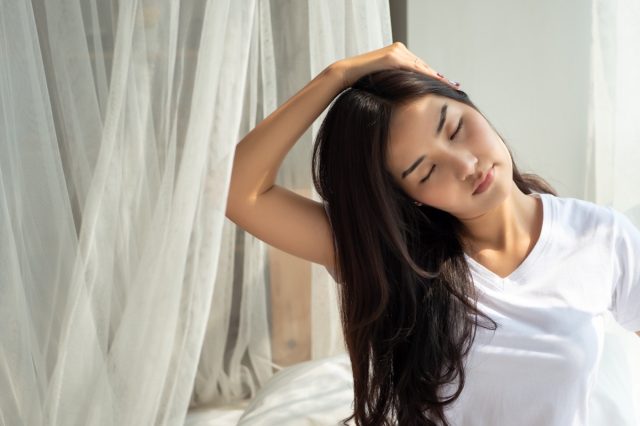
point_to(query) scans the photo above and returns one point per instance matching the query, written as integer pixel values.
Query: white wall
(525, 65)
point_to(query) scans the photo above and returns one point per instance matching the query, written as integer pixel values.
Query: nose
(466, 166)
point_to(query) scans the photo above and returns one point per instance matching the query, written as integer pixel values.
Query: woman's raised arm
(290, 222)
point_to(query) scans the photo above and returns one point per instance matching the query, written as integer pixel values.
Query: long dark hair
(407, 299)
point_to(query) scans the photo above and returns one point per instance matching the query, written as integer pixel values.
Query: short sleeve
(625, 302)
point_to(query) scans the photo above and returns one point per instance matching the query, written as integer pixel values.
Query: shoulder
(579, 213)
(577, 205)
(585, 219)
(597, 213)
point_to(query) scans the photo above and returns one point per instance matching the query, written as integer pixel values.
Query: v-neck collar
(489, 277)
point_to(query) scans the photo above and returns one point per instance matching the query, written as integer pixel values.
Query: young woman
(427, 224)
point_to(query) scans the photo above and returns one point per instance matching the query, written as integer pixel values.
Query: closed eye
(457, 129)
(451, 138)
(427, 176)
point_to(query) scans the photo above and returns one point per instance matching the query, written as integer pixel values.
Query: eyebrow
(443, 117)
(413, 166)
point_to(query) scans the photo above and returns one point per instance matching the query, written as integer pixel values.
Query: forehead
(424, 110)
(411, 123)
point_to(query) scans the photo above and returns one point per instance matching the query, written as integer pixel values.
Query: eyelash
(451, 139)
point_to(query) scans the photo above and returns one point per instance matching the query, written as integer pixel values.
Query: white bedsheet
(319, 392)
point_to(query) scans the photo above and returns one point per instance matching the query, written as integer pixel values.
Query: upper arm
(290, 222)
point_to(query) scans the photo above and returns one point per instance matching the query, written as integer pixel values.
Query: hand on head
(393, 56)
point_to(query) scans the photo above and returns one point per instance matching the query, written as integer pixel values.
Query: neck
(510, 227)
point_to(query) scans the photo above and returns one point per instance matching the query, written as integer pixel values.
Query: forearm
(260, 153)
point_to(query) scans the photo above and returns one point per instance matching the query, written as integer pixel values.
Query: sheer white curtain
(614, 127)
(613, 178)
(125, 294)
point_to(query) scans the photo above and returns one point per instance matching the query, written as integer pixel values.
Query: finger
(421, 66)
(424, 67)
(454, 84)
(433, 73)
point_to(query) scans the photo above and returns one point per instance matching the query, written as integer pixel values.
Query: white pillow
(316, 392)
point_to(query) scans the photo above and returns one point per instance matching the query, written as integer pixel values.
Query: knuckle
(396, 47)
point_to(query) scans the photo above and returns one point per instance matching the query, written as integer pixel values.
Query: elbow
(236, 205)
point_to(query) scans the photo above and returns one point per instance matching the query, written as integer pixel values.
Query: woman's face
(440, 150)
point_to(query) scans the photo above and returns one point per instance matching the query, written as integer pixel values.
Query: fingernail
(439, 75)
(455, 83)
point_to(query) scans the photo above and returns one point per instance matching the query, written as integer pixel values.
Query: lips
(485, 182)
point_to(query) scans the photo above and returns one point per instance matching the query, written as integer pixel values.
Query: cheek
(481, 133)
(442, 197)
(503, 157)
(507, 155)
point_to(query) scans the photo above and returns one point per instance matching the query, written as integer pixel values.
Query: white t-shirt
(539, 366)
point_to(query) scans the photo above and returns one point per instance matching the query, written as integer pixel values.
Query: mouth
(485, 182)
